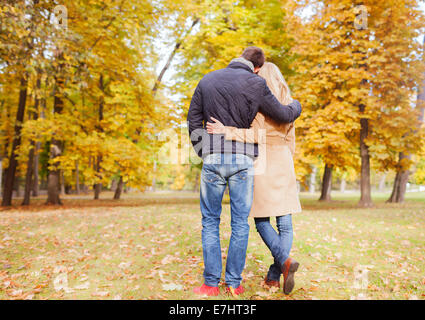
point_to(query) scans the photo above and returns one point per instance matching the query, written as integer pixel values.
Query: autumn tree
(409, 142)
(92, 80)
(324, 68)
(348, 53)
(17, 31)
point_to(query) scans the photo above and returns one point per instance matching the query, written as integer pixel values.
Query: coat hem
(277, 214)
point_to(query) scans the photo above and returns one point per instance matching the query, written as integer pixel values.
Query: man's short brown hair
(255, 55)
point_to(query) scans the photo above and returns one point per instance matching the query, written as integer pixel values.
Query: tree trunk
(28, 176)
(13, 161)
(29, 181)
(171, 57)
(402, 176)
(42, 115)
(98, 186)
(395, 193)
(400, 182)
(35, 182)
(53, 179)
(4, 156)
(77, 178)
(97, 189)
(118, 191)
(326, 184)
(1, 175)
(63, 191)
(365, 189)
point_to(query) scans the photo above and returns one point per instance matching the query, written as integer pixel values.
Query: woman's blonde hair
(276, 82)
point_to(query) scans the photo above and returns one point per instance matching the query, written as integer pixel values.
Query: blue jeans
(236, 171)
(279, 244)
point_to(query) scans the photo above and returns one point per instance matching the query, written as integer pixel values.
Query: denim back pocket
(209, 174)
(210, 177)
(243, 174)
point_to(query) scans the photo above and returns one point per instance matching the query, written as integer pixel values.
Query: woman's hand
(215, 128)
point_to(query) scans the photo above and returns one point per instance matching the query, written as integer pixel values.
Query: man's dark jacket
(233, 95)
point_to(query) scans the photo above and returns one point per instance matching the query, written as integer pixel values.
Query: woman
(275, 188)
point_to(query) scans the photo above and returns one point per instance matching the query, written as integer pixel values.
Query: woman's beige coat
(275, 186)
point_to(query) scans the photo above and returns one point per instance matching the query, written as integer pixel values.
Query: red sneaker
(235, 292)
(206, 290)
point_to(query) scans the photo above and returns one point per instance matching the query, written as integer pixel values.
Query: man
(232, 95)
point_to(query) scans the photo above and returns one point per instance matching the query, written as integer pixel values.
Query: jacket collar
(241, 63)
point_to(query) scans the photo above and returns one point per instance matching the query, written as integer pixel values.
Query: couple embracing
(241, 123)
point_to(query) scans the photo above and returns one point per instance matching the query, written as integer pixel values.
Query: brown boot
(271, 283)
(289, 267)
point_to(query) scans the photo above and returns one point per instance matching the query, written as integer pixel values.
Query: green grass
(139, 247)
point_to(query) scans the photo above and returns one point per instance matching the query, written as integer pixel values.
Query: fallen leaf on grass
(405, 243)
(262, 294)
(15, 293)
(84, 278)
(168, 259)
(83, 286)
(59, 269)
(316, 255)
(60, 283)
(7, 238)
(124, 265)
(100, 294)
(29, 296)
(396, 288)
(161, 274)
(172, 287)
(106, 257)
